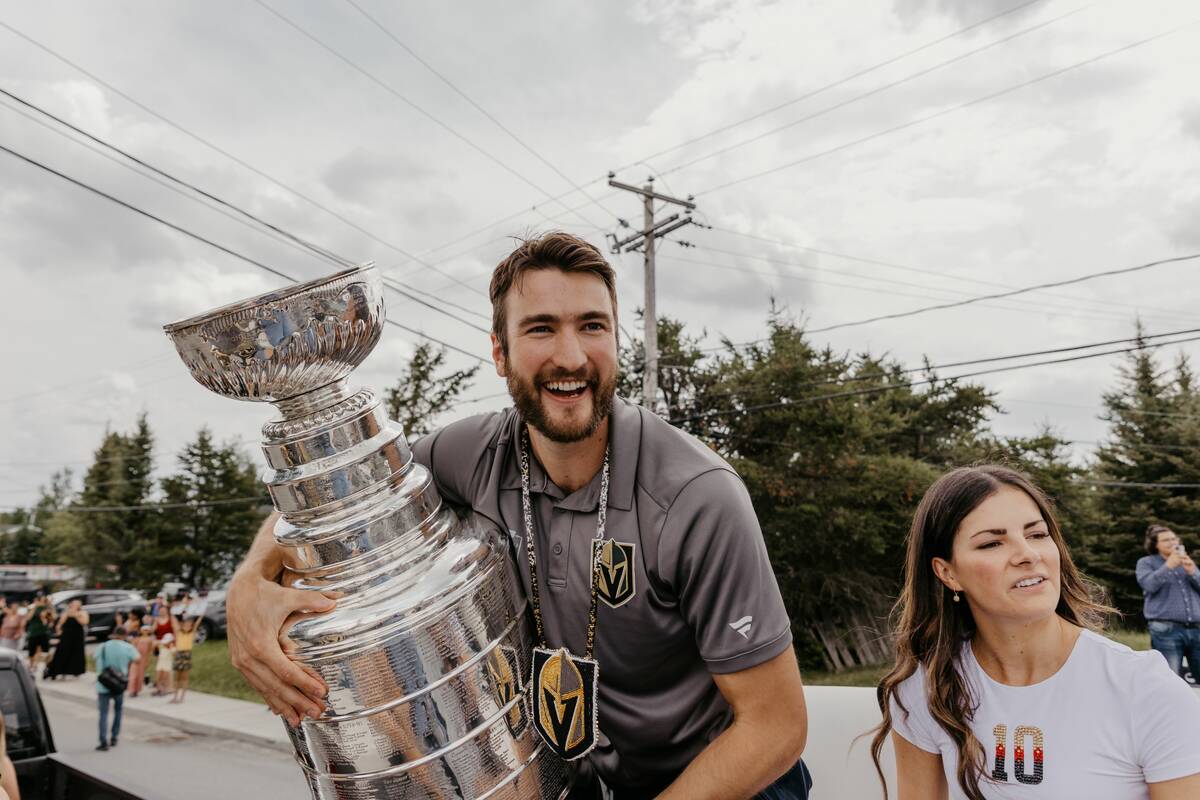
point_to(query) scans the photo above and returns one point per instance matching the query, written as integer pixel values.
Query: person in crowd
(68, 658)
(160, 600)
(689, 592)
(9, 788)
(1171, 584)
(144, 644)
(163, 622)
(37, 633)
(185, 639)
(118, 654)
(119, 619)
(12, 626)
(133, 622)
(1002, 682)
(164, 665)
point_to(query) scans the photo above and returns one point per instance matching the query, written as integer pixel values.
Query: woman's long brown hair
(931, 630)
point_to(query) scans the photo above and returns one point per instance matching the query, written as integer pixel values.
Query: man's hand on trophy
(259, 610)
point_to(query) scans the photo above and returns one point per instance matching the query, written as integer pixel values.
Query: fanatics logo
(742, 626)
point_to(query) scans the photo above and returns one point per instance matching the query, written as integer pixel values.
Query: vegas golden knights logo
(503, 672)
(616, 580)
(564, 702)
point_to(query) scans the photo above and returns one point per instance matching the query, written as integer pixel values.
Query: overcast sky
(1089, 170)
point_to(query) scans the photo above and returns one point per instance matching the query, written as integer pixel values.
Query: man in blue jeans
(118, 654)
(1171, 582)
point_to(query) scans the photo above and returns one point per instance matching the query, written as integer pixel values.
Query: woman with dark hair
(1002, 687)
(68, 658)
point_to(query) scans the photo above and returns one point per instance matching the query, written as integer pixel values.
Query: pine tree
(1154, 439)
(202, 544)
(421, 393)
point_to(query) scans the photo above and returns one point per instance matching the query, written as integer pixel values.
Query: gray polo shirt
(704, 599)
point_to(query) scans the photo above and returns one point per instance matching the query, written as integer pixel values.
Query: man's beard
(527, 397)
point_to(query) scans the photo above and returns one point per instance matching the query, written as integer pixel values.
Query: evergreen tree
(202, 543)
(421, 393)
(1153, 439)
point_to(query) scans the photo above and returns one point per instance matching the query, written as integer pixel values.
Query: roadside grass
(212, 672)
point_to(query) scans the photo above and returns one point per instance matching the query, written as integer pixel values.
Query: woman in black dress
(68, 658)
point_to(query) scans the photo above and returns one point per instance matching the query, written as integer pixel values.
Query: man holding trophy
(660, 658)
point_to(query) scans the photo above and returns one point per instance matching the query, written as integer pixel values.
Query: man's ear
(945, 573)
(498, 356)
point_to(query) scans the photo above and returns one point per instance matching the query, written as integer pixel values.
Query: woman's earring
(956, 597)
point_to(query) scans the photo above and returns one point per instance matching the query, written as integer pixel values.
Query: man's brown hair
(554, 250)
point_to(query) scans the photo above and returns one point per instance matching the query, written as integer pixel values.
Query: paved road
(161, 763)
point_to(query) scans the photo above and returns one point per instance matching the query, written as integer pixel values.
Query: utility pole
(644, 240)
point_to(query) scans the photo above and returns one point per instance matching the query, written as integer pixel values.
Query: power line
(1012, 293)
(827, 87)
(1030, 308)
(388, 33)
(869, 289)
(215, 148)
(807, 95)
(945, 111)
(149, 506)
(147, 214)
(936, 273)
(974, 361)
(910, 384)
(172, 183)
(420, 110)
(213, 244)
(1137, 485)
(289, 237)
(878, 90)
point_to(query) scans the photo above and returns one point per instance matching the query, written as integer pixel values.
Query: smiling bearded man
(662, 663)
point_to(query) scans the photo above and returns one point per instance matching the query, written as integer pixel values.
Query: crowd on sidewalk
(145, 648)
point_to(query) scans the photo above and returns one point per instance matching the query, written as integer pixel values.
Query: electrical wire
(388, 33)
(216, 148)
(1030, 308)
(937, 114)
(805, 96)
(402, 98)
(878, 90)
(220, 247)
(829, 86)
(938, 273)
(910, 384)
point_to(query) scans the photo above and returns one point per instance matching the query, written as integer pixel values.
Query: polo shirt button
(558, 549)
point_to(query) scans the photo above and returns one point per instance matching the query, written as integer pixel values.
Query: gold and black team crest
(564, 702)
(615, 584)
(504, 673)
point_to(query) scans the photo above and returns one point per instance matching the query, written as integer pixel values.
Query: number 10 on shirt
(1000, 770)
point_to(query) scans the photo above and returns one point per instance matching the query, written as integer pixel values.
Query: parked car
(101, 606)
(41, 773)
(17, 585)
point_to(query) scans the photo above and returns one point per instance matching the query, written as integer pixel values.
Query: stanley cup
(425, 653)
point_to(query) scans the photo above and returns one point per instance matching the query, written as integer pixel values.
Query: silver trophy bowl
(425, 653)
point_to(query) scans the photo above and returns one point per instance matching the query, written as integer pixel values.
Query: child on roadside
(165, 665)
(185, 638)
(144, 643)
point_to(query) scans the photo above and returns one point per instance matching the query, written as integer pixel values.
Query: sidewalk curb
(49, 689)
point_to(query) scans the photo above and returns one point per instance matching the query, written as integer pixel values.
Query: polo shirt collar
(625, 439)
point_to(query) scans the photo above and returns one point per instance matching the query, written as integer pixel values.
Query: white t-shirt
(1107, 723)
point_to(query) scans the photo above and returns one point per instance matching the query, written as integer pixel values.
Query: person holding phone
(1171, 582)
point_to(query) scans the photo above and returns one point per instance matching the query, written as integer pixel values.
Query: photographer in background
(1171, 582)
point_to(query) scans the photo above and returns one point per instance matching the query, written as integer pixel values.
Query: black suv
(101, 606)
(42, 774)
